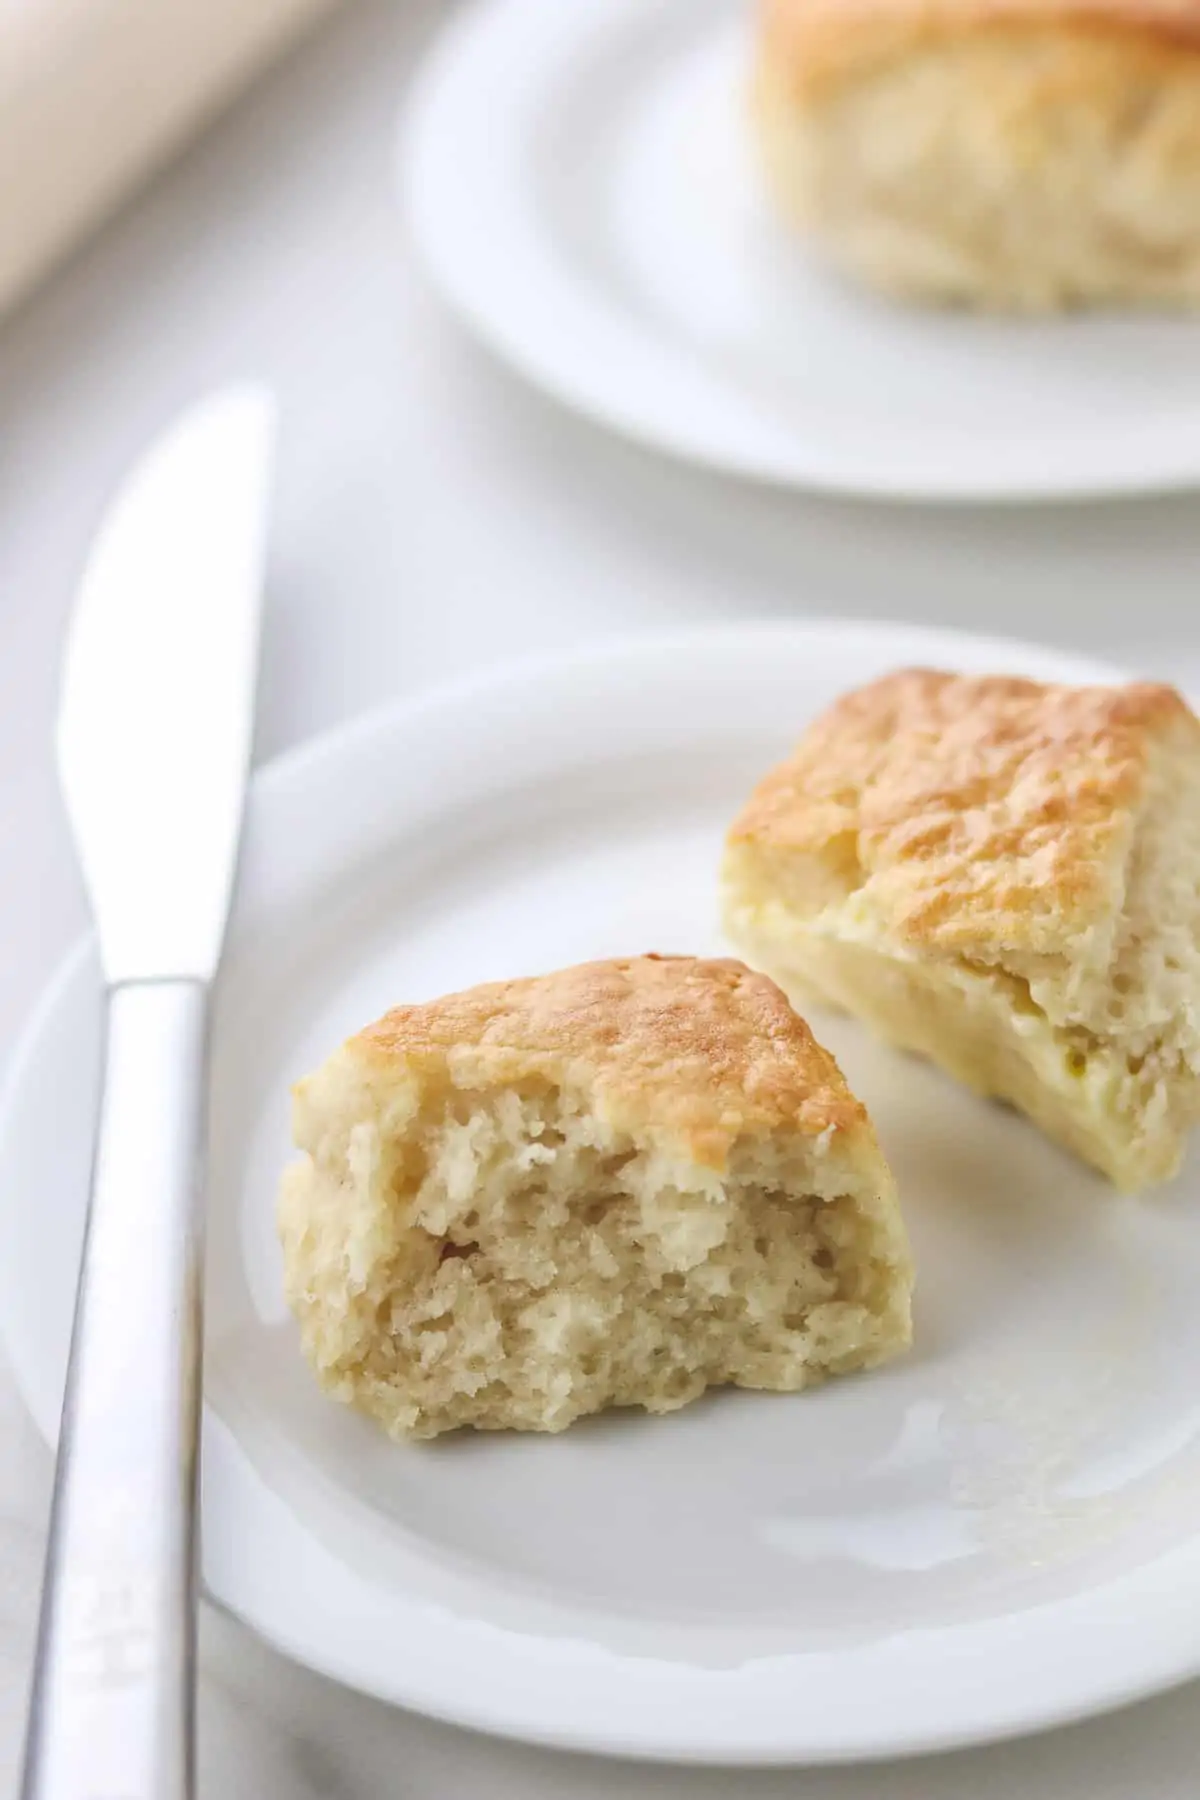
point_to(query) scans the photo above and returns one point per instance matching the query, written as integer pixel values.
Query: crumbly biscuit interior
(505, 1258)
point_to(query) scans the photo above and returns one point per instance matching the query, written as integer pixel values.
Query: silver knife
(154, 745)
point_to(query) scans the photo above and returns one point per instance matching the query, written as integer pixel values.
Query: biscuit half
(612, 1186)
(1004, 876)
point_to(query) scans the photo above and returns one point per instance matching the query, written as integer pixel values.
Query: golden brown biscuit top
(968, 814)
(824, 36)
(699, 1051)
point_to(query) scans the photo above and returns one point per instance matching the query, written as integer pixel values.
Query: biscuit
(616, 1185)
(1009, 154)
(1004, 876)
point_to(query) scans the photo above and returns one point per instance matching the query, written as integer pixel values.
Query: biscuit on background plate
(1020, 154)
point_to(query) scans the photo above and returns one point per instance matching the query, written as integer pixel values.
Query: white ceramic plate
(583, 190)
(993, 1534)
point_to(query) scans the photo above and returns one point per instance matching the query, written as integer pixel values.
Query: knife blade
(154, 741)
(158, 688)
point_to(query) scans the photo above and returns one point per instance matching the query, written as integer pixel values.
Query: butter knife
(153, 748)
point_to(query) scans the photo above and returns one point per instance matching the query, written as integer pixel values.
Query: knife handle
(112, 1708)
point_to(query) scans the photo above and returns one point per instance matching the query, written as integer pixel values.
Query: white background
(432, 514)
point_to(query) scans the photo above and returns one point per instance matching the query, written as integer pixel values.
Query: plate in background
(582, 185)
(993, 1534)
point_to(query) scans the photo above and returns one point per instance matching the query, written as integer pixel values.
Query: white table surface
(433, 514)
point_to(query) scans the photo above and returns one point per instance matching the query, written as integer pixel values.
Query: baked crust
(701, 1052)
(811, 39)
(972, 813)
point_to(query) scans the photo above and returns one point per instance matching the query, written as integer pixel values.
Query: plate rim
(472, 1711)
(427, 130)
